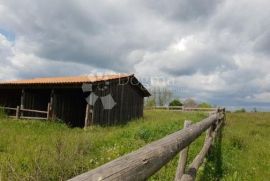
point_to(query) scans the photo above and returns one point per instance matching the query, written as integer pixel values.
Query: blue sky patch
(8, 34)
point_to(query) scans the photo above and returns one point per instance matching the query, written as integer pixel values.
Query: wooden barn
(79, 101)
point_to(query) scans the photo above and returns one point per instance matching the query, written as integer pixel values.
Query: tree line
(162, 96)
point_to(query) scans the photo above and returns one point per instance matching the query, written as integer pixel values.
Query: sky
(211, 50)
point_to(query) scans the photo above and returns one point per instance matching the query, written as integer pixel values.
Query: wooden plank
(143, 163)
(183, 108)
(37, 118)
(91, 115)
(18, 112)
(8, 108)
(86, 115)
(22, 100)
(34, 111)
(49, 111)
(183, 158)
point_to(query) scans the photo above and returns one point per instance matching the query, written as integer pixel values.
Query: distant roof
(71, 80)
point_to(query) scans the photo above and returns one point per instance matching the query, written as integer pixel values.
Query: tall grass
(37, 150)
(2, 113)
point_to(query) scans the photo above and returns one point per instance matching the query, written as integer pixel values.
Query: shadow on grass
(213, 166)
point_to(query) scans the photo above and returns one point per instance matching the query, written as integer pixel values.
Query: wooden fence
(183, 108)
(143, 163)
(19, 112)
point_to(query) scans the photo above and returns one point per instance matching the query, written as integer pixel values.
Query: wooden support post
(49, 115)
(183, 158)
(91, 116)
(22, 100)
(52, 113)
(192, 171)
(86, 122)
(18, 112)
(224, 116)
(197, 162)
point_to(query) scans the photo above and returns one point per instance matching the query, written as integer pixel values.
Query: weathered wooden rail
(143, 163)
(19, 112)
(183, 108)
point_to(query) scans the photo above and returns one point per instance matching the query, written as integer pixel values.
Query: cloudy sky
(212, 50)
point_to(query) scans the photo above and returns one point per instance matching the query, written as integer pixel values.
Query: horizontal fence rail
(143, 163)
(183, 108)
(19, 112)
(8, 108)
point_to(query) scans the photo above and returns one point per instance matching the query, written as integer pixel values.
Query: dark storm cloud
(262, 44)
(185, 10)
(222, 47)
(100, 34)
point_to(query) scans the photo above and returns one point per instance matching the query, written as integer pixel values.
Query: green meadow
(40, 150)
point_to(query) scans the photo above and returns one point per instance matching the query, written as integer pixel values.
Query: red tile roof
(72, 80)
(65, 80)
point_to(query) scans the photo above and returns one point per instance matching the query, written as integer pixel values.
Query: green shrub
(205, 105)
(243, 110)
(175, 102)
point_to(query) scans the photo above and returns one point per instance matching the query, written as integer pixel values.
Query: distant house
(79, 101)
(190, 103)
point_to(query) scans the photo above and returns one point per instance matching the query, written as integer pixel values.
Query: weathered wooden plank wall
(69, 106)
(10, 98)
(36, 99)
(68, 102)
(129, 104)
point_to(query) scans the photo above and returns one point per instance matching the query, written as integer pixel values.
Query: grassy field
(36, 150)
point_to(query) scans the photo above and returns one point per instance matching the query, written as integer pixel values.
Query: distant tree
(151, 102)
(240, 110)
(205, 105)
(190, 103)
(255, 109)
(175, 102)
(162, 95)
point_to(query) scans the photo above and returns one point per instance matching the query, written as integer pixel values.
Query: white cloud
(214, 50)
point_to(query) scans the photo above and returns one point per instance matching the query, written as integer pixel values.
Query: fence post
(183, 158)
(86, 121)
(49, 111)
(18, 112)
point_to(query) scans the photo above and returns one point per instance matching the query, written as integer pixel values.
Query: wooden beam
(18, 112)
(8, 108)
(49, 115)
(143, 163)
(52, 111)
(34, 111)
(86, 121)
(34, 118)
(183, 158)
(22, 100)
(91, 116)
